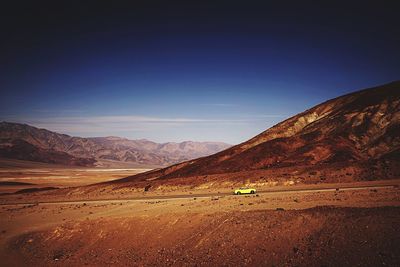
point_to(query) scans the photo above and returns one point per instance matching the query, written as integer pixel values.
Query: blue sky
(205, 72)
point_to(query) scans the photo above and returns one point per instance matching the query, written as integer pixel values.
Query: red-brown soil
(19, 175)
(340, 228)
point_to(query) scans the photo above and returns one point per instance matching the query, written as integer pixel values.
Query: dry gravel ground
(58, 177)
(343, 228)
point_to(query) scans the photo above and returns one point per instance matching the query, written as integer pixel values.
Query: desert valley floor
(289, 225)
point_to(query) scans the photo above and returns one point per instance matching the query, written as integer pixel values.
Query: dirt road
(301, 227)
(321, 188)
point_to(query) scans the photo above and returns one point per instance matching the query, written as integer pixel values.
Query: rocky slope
(355, 135)
(20, 149)
(21, 141)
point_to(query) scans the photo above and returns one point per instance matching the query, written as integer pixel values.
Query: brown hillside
(358, 132)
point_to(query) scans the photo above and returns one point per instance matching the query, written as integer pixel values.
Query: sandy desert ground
(330, 227)
(18, 175)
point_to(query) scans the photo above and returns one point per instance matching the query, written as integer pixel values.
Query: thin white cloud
(219, 105)
(58, 111)
(123, 124)
(127, 119)
(269, 116)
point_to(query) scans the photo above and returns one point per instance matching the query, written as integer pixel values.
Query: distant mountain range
(24, 142)
(352, 137)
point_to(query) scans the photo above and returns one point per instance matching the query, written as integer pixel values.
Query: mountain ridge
(25, 142)
(357, 131)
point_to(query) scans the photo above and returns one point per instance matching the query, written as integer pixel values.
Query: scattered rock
(58, 255)
(147, 187)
